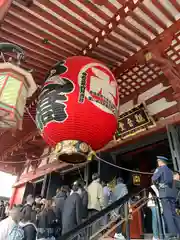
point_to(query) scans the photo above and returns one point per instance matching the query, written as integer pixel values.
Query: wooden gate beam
(169, 69)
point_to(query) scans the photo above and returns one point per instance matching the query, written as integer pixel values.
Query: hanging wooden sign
(134, 121)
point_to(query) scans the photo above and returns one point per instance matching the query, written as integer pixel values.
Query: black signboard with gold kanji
(134, 121)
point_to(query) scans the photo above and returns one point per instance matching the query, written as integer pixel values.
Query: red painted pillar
(11, 200)
(17, 196)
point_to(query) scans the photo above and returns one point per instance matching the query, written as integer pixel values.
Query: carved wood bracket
(169, 69)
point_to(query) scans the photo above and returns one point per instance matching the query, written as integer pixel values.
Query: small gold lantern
(16, 85)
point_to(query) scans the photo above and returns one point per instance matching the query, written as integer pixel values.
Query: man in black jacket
(72, 212)
(176, 178)
(29, 229)
(2, 210)
(27, 209)
(59, 199)
(59, 202)
(84, 197)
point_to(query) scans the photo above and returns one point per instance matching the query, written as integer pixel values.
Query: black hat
(75, 186)
(76, 183)
(95, 176)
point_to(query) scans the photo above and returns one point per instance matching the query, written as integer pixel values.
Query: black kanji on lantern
(52, 100)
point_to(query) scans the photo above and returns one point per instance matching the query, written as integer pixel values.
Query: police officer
(163, 178)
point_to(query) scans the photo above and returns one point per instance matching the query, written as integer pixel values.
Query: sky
(6, 183)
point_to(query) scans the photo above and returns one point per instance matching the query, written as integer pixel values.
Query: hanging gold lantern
(16, 85)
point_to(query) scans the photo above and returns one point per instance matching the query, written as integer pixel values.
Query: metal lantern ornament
(77, 108)
(16, 84)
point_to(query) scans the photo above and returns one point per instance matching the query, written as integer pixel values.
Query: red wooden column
(17, 195)
(4, 7)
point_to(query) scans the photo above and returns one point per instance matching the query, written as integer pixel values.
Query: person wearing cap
(163, 179)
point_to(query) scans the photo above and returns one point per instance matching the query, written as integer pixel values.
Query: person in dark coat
(2, 210)
(29, 229)
(27, 209)
(28, 221)
(84, 197)
(177, 187)
(33, 213)
(46, 221)
(163, 178)
(38, 203)
(59, 202)
(72, 213)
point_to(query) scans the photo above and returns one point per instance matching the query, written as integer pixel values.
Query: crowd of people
(45, 219)
(4, 209)
(50, 219)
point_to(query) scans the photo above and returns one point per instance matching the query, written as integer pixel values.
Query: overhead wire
(122, 168)
(35, 121)
(97, 157)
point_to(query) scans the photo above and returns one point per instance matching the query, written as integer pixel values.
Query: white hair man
(8, 224)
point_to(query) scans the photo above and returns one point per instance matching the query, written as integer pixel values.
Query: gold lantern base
(72, 151)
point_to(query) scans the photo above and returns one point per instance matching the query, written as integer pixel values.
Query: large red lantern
(77, 108)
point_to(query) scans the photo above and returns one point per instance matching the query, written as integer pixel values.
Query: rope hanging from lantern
(92, 154)
(122, 168)
(100, 159)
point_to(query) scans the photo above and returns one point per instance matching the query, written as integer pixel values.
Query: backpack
(16, 233)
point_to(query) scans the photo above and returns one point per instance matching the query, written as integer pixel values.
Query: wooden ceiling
(117, 32)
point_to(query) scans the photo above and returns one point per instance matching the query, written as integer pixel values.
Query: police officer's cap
(164, 159)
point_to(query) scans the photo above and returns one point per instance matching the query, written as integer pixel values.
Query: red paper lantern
(77, 108)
